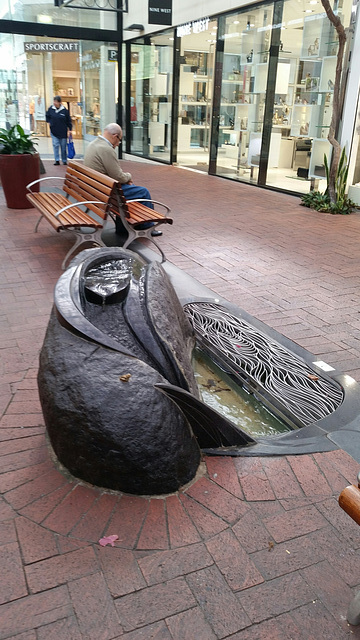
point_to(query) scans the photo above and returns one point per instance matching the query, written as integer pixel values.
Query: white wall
(183, 11)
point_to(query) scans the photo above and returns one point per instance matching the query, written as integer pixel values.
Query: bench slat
(140, 213)
(77, 178)
(86, 173)
(48, 207)
(81, 195)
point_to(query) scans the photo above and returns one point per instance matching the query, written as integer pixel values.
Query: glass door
(197, 58)
(99, 86)
(151, 64)
(243, 92)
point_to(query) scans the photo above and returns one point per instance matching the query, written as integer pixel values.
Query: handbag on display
(70, 148)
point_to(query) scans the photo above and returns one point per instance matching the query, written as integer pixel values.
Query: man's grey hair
(113, 128)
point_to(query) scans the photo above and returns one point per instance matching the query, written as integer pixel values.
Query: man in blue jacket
(59, 120)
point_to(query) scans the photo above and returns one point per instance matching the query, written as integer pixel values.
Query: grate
(249, 353)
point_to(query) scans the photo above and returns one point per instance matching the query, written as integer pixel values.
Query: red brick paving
(255, 549)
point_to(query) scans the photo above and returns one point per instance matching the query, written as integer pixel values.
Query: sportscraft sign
(51, 46)
(160, 12)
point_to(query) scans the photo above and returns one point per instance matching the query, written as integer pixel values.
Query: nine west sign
(160, 11)
(51, 46)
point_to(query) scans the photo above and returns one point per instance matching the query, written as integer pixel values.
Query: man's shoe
(156, 233)
(64, 162)
(57, 162)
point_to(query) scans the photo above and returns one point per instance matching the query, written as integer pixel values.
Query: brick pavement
(254, 548)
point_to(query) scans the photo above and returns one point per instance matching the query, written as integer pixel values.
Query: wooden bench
(93, 192)
(349, 501)
(134, 212)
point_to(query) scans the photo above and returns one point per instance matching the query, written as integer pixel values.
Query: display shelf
(320, 147)
(327, 76)
(305, 120)
(317, 33)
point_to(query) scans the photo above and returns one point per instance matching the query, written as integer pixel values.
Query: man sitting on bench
(101, 156)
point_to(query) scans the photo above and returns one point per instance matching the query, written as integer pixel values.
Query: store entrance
(51, 71)
(197, 56)
(34, 70)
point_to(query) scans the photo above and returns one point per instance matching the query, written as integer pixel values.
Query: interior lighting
(308, 11)
(171, 38)
(236, 22)
(313, 2)
(44, 19)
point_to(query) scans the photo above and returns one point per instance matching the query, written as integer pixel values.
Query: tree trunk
(337, 102)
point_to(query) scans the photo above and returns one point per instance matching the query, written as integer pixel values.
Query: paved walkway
(254, 549)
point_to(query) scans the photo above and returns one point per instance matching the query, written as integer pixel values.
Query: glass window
(301, 95)
(304, 96)
(197, 57)
(85, 78)
(99, 81)
(243, 90)
(151, 96)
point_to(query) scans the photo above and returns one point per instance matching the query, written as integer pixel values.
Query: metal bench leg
(37, 224)
(163, 258)
(353, 614)
(143, 233)
(131, 237)
(83, 238)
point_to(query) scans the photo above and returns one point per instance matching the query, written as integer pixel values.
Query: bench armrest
(153, 202)
(28, 186)
(77, 204)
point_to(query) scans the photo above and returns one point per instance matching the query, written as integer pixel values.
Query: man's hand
(130, 182)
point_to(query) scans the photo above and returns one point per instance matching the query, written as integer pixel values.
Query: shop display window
(151, 96)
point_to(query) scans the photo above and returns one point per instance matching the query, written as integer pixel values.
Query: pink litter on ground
(108, 540)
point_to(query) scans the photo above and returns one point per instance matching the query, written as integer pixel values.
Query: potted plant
(19, 165)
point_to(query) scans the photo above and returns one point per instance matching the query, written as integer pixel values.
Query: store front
(151, 87)
(252, 97)
(81, 68)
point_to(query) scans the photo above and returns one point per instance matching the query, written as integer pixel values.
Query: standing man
(101, 156)
(59, 120)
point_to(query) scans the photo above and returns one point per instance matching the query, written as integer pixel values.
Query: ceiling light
(236, 22)
(44, 19)
(313, 2)
(308, 11)
(171, 38)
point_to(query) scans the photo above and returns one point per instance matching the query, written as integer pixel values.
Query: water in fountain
(221, 393)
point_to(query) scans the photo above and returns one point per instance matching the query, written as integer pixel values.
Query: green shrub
(15, 141)
(321, 201)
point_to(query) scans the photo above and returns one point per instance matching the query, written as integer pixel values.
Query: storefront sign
(160, 11)
(197, 26)
(51, 46)
(112, 55)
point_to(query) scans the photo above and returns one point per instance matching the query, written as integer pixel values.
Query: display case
(320, 147)
(318, 36)
(195, 90)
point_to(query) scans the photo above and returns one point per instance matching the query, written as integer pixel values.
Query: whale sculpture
(116, 383)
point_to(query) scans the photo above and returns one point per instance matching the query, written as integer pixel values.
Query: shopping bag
(70, 148)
